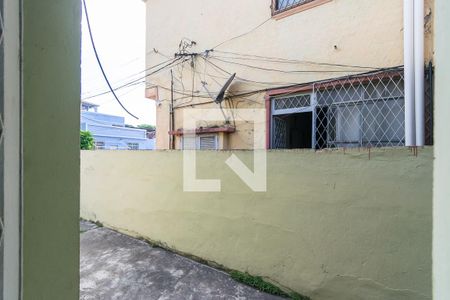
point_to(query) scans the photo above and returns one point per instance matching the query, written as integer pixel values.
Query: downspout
(172, 113)
(408, 47)
(419, 66)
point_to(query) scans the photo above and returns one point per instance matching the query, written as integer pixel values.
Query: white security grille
(429, 104)
(292, 102)
(279, 134)
(361, 111)
(366, 110)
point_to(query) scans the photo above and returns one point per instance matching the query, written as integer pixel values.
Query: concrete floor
(115, 266)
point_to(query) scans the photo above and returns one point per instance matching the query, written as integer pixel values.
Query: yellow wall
(331, 225)
(365, 32)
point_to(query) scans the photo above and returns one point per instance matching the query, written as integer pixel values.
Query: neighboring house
(329, 73)
(110, 133)
(88, 106)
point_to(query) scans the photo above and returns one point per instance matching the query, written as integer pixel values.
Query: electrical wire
(249, 93)
(130, 83)
(215, 66)
(241, 35)
(108, 92)
(123, 94)
(99, 62)
(244, 56)
(243, 94)
(299, 85)
(97, 121)
(283, 71)
(147, 69)
(135, 81)
(119, 81)
(186, 93)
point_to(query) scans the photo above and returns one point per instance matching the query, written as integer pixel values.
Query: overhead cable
(99, 62)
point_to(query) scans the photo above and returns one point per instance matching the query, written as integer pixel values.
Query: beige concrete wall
(331, 225)
(362, 33)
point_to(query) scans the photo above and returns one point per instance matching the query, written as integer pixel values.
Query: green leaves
(264, 286)
(86, 140)
(148, 127)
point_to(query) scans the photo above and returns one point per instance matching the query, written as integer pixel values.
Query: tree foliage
(147, 127)
(86, 140)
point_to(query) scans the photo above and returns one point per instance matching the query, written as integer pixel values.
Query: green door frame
(42, 152)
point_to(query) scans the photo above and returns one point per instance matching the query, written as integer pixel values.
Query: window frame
(393, 80)
(100, 145)
(197, 142)
(216, 141)
(296, 8)
(133, 146)
(275, 113)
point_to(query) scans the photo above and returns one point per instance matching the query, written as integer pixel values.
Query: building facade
(329, 73)
(110, 132)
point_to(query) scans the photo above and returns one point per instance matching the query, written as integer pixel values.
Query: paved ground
(115, 266)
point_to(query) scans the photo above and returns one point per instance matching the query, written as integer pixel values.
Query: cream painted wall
(365, 32)
(331, 225)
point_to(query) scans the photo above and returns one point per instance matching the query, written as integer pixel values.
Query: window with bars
(361, 112)
(292, 102)
(282, 5)
(357, 111)
(100, 145)
(133, 146)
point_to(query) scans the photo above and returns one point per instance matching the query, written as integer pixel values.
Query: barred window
(292, 102)
(281, 5)
(133, 146)
(357, 111)
(361, 112)
(100, 145)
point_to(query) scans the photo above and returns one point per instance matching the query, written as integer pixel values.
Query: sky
(118, 27)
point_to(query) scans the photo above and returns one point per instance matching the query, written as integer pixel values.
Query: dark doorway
(300, 131)
(292, 131)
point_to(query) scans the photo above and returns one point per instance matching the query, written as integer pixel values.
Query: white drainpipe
(419, 65)
(408, 31)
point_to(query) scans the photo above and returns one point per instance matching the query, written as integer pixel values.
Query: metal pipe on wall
(172, 113)
(419, 66)
(408, 32)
